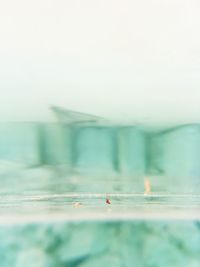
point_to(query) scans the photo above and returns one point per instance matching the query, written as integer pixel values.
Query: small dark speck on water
(108, 201)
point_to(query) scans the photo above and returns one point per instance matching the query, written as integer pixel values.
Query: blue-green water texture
(56, 180)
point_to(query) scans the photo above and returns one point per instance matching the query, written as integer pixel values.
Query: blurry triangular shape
(70, 116)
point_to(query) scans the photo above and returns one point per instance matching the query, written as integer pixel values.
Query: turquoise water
(56, 180)
(56, 221)
(126, 149)
(128, 243)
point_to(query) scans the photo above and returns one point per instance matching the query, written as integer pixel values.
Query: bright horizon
(117, 59)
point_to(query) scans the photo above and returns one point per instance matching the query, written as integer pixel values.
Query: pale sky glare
(130, 58)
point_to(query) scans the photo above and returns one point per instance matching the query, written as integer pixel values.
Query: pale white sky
(113, 58)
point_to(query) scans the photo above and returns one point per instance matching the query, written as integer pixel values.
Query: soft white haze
(113, 58)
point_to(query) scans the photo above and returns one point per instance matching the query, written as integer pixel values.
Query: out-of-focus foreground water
(49, 220)
(94, 195)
